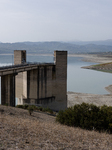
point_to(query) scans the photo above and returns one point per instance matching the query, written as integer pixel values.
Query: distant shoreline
(92, 58)
(85, 57)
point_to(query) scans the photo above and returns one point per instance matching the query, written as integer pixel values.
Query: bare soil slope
(20, 131)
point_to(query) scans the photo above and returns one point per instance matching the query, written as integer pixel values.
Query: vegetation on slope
(87, 116)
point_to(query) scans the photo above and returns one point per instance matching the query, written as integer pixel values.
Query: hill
(49, 47)
(18, 130)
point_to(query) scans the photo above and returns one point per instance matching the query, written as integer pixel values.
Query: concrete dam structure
(43, 84)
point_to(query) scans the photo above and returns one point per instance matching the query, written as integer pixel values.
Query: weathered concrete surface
(19, 57)
(8, 90)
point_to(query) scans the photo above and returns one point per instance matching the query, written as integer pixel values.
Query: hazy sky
(55, 20)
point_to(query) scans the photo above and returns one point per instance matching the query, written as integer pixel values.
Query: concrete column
(19, 57)
(60, 88)
(21, 78)
(8, 90)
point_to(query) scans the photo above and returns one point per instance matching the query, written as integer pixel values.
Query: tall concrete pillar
(19, 56)
(60, 87)
(8, 90)
(21, 78)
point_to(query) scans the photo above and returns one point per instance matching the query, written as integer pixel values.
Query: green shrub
(19, 106)
(30, 109)
(87, 116)
(35, 108)
(60, 117)
(49, 110)
(40, 108)
(44, 109)
(25, 106)
(6, 104)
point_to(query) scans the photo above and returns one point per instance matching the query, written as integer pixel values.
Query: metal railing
(24, 64)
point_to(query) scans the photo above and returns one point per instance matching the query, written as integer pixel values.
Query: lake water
(78, 79)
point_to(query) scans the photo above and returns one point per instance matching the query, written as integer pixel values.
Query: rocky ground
(93, 58)
(20, 131)
(99, 100)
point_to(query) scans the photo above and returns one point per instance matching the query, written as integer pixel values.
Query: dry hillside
(20, 131)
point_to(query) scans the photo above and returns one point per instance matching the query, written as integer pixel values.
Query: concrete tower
(20, 79)
(60, 58)
(19, 56)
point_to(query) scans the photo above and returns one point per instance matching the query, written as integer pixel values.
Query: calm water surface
(78, 79)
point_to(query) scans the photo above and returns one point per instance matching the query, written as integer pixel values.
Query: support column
(8, 90)
(60, 89)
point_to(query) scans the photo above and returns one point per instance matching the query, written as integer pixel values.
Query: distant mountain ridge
(105, 42)
(49, 47)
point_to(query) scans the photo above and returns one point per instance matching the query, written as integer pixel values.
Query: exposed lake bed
(97, 99)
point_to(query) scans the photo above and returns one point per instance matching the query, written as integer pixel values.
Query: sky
(55, 20)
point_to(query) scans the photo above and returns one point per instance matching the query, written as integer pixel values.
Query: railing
(23, 64)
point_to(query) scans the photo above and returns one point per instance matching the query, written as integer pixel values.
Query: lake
(78, 79)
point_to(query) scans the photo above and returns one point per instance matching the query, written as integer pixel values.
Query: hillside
(49, 47)
(20, 131)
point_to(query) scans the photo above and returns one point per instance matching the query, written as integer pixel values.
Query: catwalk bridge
(14, 69)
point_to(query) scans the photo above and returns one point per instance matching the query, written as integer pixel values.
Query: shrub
(30, 109)
(6, 104)
(40, 108)
(87, 116)
(35, 108)
(25, 106)
(19, 106)
(49, 110)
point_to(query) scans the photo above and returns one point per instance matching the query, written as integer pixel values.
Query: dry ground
(20, 131)
(93, 58)
(96, 99)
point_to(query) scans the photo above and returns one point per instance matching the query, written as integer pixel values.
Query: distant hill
(106, 42)
(49, 47)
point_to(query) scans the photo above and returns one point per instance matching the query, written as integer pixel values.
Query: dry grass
(20, 131)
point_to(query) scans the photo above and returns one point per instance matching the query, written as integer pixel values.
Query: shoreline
(92, 58)
(96, 99)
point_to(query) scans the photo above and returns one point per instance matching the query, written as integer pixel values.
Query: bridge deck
(21, 68)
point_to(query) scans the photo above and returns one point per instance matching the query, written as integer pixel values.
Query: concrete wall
(46, 85)
(8, 90)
